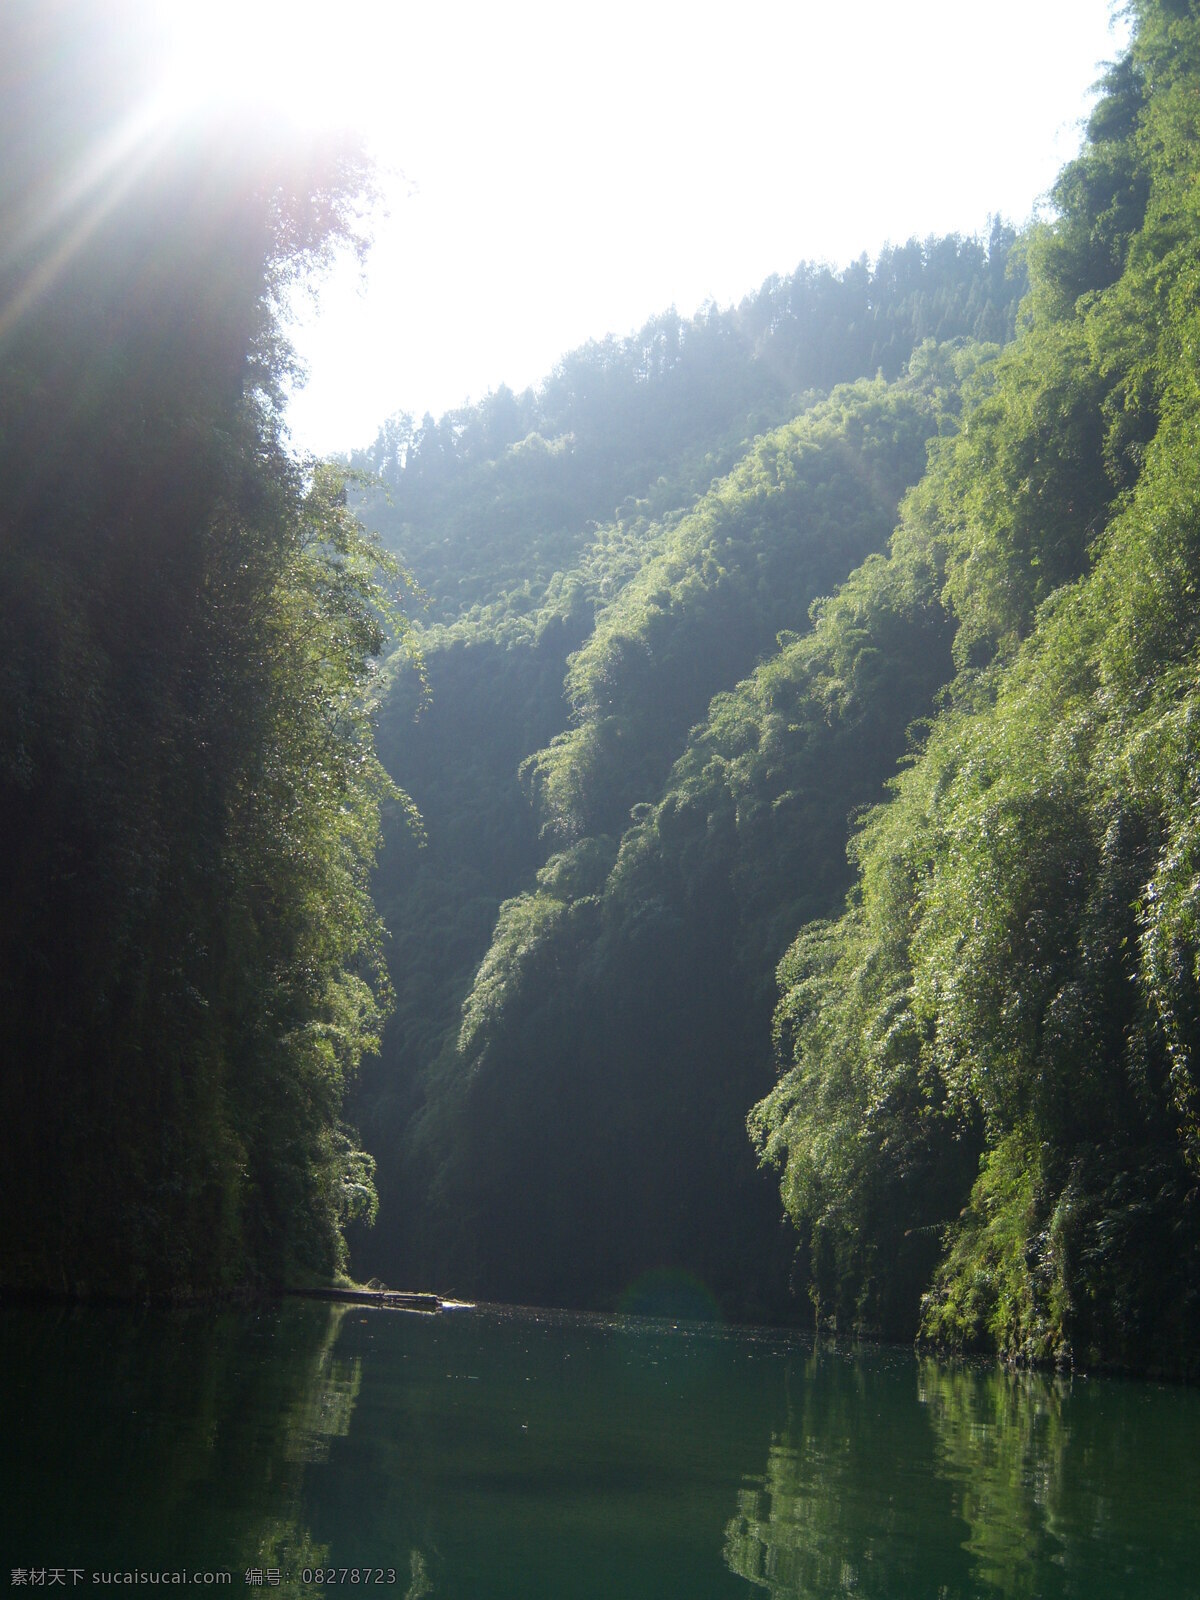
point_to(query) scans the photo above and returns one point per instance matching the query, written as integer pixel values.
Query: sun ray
(80, 204)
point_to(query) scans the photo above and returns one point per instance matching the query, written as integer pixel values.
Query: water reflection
(960, 1481)
(1071, 1488)
(505, 1455)
(850, 1501)
(1002, 1442)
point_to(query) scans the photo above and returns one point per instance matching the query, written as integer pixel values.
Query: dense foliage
(188, 789)
(1016, 975)
(584, 996)
(985, 1117)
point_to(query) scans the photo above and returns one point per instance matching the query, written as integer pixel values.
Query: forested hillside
(561, 1114)
(1016, 971)
(493, 498)
(655, 743)
(188, 791)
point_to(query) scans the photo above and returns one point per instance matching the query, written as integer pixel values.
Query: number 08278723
(348, 1575)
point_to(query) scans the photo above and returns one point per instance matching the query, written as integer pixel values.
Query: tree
(185, 759)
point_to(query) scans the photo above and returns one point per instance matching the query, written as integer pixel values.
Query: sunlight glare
(286, 58)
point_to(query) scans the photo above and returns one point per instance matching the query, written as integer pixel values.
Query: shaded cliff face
(177, 602)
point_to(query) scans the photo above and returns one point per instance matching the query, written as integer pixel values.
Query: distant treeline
(502, 493)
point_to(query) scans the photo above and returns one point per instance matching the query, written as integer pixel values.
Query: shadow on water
(164, 1441)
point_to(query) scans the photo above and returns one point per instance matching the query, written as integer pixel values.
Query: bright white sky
(562, 172)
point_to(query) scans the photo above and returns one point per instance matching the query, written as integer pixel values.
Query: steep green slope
(525, 518)
(786, 525)
(1017, 969)
(582, 1126)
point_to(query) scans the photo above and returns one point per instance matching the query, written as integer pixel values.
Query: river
(490, 1453)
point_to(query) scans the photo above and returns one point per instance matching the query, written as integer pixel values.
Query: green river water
(491, 1453)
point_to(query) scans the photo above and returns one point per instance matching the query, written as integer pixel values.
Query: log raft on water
(390, 1299)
